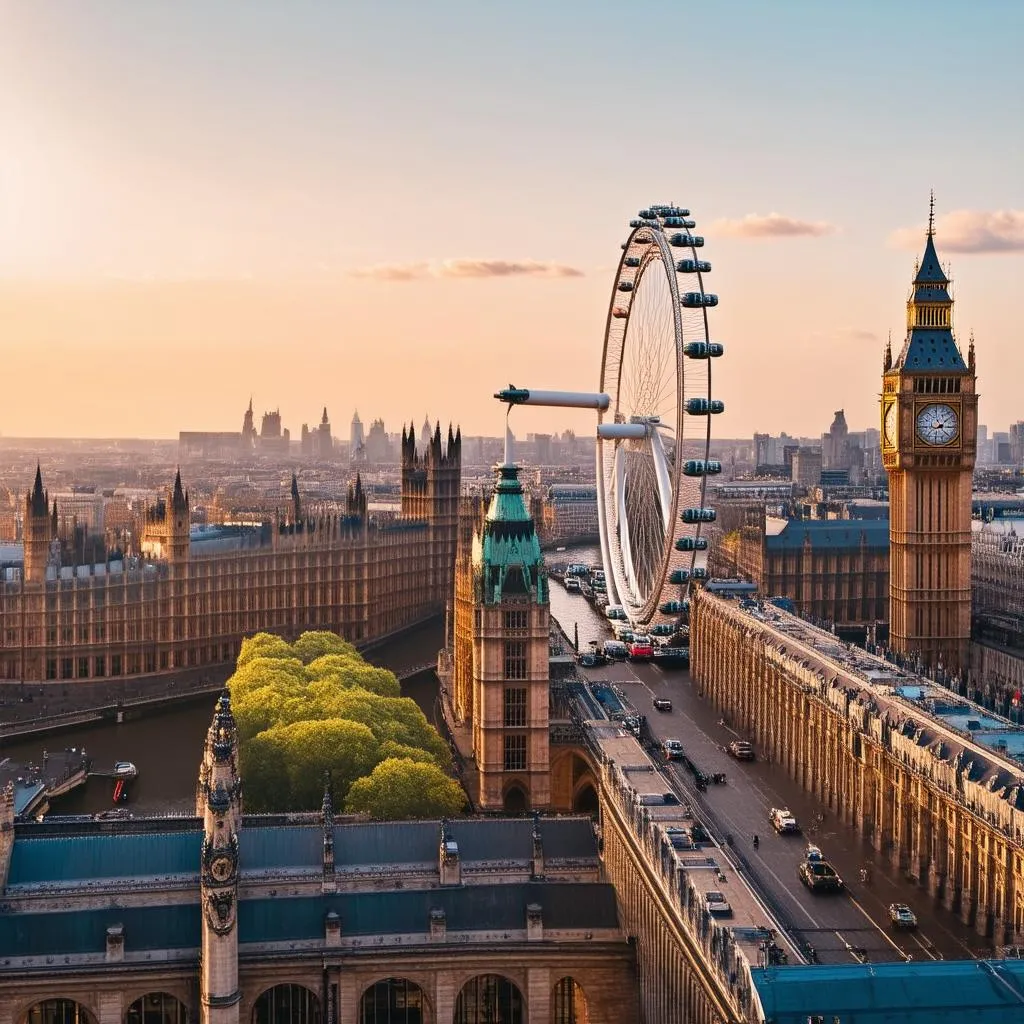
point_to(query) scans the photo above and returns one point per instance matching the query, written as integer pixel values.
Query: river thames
(167, 746)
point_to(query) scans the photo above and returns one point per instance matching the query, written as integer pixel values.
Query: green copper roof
(509, 552)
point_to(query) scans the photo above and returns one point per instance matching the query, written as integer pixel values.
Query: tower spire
(931, 215)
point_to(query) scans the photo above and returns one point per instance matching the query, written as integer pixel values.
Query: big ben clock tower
(929, 430)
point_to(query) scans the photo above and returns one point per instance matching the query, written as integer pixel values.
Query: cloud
(969, 231)
(774, 225)
(465, 268)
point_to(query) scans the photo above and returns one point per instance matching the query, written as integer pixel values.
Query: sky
(402, 207)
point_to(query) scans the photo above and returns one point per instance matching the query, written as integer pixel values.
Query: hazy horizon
(402, 208)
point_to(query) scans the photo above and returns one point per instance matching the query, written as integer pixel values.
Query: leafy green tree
(316, 643)
(348, 670)
(389, 748)
(263, 768)
(401, 788)
(347, 750)
(315, 707)
(263, 645)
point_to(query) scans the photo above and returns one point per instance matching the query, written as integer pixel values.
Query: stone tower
(431, 484)
(929, 430)
(38, 531)
(510, 633)
(165, 533)
(219, 803)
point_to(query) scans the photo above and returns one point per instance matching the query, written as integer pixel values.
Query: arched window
(287, 1004)
(156, 1008)
(515, 799)
(58, 1011)
(393, 1001)
(489, 999)
(569, 1003)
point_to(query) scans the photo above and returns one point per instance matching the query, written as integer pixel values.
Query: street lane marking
(878, 928)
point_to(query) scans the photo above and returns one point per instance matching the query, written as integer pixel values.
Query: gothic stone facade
(176, 610)
(223, 919)
(946, 809)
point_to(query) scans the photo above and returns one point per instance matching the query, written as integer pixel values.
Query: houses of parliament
(186, 605)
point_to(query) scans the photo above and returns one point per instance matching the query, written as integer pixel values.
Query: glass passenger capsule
(679, 240)
(692, 544)
(697, 300)
(693, 267)
(704, 407)
(698, 515)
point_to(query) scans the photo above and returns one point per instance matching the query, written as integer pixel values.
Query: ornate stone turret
(38, 531)
(166, 531)
(448, 858)
(220, 805)
(510, 626)
(537, 861)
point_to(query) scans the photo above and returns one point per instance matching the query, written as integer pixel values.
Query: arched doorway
(568, 1003)
(515, 799)
(58, 1011)
(585, 801)
(489, 999)
(287, 1004)
(156, 1008)
(393, 1001)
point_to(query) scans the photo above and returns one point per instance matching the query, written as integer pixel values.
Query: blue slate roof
(469, 908)
(931, 348)
(833, 534)
(926, 992)
(395, 842)
(95, 857)
(85, 931)
(930, 271)
(296, 846)
(587, 905)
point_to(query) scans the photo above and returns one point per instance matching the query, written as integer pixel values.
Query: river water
(167, 745)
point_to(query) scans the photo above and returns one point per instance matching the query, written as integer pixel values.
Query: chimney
(450, 867)
(332, 930)
(438, 925)
(115, 944)
(534, 922)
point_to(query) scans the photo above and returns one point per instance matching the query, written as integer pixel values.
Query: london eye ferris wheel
(655, 407)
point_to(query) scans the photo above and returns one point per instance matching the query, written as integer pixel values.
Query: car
(820, 876)
(783, 821)
(813, 853)
(640, 648)
(742, 750)
(616, 649)
(716, 903)
(591, 659)
(901, 916)
(673, 750)
(662, 704)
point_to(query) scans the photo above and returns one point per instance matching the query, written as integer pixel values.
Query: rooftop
(919, 992)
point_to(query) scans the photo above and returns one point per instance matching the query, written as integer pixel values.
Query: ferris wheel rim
(642, 605)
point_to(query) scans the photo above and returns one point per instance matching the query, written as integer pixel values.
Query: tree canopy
(316, 707)
(402, 788)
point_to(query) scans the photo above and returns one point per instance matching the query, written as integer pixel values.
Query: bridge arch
(394, 1000)
(57, 1011)
(156, 1008)
(489, 997)
(569, 1002)
(287, 1003)
(574, 781)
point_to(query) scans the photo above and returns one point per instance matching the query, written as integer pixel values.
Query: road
(837, 925)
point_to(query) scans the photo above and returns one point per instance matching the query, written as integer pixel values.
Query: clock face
(221, 869)
(889, 424)
(937, 424)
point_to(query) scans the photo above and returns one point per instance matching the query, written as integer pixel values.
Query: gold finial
(931, 214)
